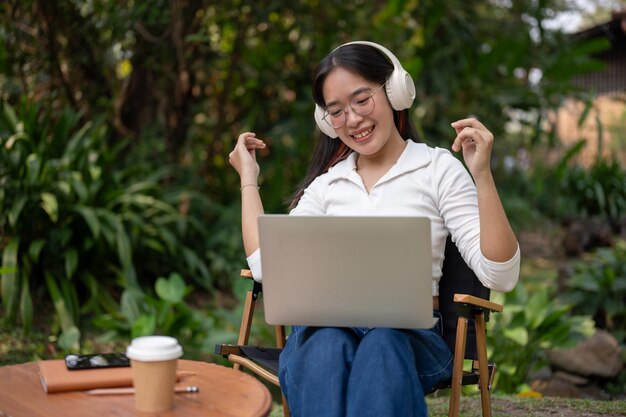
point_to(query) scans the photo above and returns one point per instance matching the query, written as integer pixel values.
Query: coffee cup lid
(154, 348)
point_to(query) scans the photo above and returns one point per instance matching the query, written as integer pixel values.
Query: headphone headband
(392, 58)
(399, 87)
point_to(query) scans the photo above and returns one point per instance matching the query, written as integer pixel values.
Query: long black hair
(374, 66)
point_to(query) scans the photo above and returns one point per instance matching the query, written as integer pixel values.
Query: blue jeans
(336, 372)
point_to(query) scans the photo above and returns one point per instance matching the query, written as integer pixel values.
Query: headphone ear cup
(400, 89)
(321, 123)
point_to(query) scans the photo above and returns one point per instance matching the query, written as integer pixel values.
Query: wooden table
(224, 392)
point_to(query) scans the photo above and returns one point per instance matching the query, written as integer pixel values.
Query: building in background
(604, 127)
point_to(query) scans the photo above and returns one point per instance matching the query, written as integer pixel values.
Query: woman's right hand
(243, 157)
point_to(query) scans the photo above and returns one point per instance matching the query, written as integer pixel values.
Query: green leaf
(95, 172)
(35, 249)
(146, 202)
(508, 369)
(10, 116)
(64, 187)
(13, 139)
(587, 282)
(124, 249)
(16, 210)
(71, 262)
(145, 325)
(70, 339)
(89, 215)
(171, 290)
(130, 304)
(26, 306)
(110, 322)
(99, 293)
(519, 335)
(33, 168)
(70, 295)
(551, 319)
(108, 225)
(195, 263)
(10, 277)
(60, 305)
(50, 205)
(537, 308)
(116, 236)
(170, 240)
(79, 187)
(75, 141)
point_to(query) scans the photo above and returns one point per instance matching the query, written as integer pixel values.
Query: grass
(513, 406)
(18, 347)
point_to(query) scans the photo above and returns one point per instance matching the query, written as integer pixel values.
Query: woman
(369, 162)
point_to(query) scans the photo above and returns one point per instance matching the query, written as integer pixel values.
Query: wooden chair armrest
(477, 302)
(246, 273)
(227, 349)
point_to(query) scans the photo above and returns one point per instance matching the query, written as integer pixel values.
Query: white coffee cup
(153, 361)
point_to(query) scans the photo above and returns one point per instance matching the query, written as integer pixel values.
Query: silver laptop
(347, 271)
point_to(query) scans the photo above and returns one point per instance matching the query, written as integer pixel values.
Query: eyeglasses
(362, 104)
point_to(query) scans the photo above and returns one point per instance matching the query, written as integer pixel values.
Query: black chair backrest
(458, 278)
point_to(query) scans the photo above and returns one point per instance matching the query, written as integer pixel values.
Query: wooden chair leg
(285, 408)
(457, 370)
(279, 332)
(483, 371)
(246, 322)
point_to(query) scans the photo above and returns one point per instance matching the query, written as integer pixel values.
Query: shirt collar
(414, 156)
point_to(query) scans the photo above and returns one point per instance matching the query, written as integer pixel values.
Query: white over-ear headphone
(399, 87)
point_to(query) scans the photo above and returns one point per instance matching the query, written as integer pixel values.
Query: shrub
(569, 190)
(598, 288)
(76, 223)
(529, 324)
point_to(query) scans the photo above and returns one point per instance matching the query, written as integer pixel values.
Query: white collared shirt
(425, 181)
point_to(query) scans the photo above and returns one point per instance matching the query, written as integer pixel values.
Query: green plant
(598, 288)
(567, 189)
(74, 221)
(529, 324)
(164, 310)
(598, 190)
(159, 311)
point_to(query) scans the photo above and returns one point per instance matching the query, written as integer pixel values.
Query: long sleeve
(458, 205)
(254, 263)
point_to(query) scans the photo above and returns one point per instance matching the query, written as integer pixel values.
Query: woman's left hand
(476, 141)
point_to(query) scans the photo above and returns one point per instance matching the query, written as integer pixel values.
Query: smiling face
(370, 134)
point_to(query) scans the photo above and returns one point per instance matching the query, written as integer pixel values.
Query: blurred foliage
(165, 310)
(117, 198)
(566, 190)
(76, 224)
(529, 324)
(195, 73)
(598, 289)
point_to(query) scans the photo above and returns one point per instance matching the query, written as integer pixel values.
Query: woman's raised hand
(476, 141)
(243, 157)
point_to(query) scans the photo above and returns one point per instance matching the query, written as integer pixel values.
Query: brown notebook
(56, 378)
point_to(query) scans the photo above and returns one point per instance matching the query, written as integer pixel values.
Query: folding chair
(464, 306)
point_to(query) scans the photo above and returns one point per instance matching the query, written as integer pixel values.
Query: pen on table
(117, 391)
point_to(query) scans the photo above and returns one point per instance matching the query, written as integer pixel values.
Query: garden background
(120, 214)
